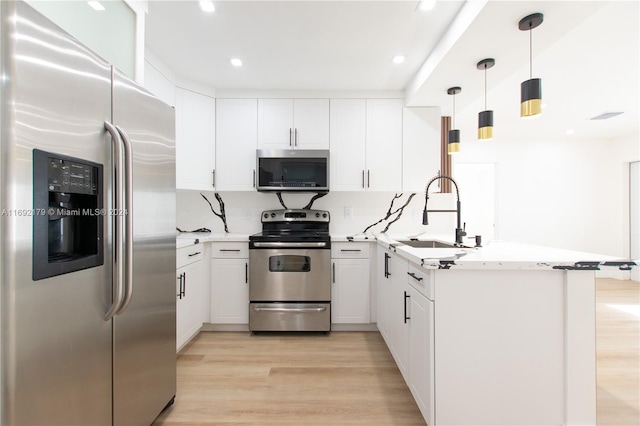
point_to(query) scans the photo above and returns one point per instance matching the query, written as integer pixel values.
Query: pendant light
(485, 118)
(453, 142)
(530, 90)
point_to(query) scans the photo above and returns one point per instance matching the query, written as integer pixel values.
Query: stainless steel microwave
(292, 170)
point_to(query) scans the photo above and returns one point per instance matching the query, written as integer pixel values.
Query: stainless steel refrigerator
(87, 234)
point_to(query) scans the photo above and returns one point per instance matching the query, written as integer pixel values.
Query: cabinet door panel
(350, 292)
(384, 144)
(190, 306)
(311, 123)
(275, 122)
(195, 140)
(348, 139)
(236, 143)
(421, 359)
(229, 291)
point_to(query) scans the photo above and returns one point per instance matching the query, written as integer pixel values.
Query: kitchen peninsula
(506, 331)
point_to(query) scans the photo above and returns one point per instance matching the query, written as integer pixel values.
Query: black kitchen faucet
(460, 232)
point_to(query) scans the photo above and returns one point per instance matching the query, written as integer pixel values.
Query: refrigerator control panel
(72, 177)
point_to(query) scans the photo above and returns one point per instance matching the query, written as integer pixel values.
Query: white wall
(570, 195)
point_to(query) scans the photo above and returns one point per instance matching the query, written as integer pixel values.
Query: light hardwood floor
(618, 349)
(350, 378)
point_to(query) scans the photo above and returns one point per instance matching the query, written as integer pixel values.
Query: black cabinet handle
(179, 287)
(386, 265)
(195, 254)
(350, 250)
(246, 273)
(412, 275)
(406, 296)
(184, 284)
(333, 265)
(229, 249)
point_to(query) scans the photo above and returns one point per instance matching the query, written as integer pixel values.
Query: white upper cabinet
(384, 145)
(293, 123)
(236, 143)
(195, 140)
(420, 146)
(366, 144)
(348, 143)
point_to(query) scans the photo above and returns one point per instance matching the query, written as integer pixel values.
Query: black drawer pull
(229, 249)
(414, 276)
(354, 250)
(195, 254)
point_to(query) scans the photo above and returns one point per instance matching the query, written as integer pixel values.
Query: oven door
(290, 275)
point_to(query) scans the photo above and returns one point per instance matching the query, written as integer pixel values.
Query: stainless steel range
(290, 270)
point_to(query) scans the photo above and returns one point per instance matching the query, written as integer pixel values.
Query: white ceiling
(586, 52)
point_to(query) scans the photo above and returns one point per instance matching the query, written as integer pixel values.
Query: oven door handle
(289, 245)
(318, 309)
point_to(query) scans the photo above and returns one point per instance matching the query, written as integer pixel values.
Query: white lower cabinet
(190, 291)
(405, 315)
(350, 283)
(392, 306)
(230, 283)
(421, 354)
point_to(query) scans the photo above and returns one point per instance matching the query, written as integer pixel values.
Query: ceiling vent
(606, 115)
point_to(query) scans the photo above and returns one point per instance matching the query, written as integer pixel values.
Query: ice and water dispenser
(68, 214)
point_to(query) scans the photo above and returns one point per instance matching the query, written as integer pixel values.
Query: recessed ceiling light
(426, 5)
(398, 59)
(207, 6)
(96, 5)
(236, 62)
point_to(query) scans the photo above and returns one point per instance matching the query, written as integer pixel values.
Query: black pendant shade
(485, 118)
(530, 90)
(485, 125)
(453, 140)
(531, 97)
(453, 144)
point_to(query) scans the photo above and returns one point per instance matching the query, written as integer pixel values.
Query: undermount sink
(426, 244)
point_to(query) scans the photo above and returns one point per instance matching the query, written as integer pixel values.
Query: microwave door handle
(118, 253)
(127, 212)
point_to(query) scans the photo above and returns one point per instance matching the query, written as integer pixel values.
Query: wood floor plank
(618, 353)
(350, 378)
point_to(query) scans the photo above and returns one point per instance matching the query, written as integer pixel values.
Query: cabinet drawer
(421, 280)
(187, 255)
(234, 249)
(350, 250)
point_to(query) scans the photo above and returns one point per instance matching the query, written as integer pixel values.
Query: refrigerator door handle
(127, 212)
(117, 221)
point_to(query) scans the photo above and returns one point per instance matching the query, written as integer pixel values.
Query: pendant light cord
(485, 87)
(454, 111)
(530, 51)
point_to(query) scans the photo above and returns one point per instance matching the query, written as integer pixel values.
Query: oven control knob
(266, 215)
(317, 214)
(273, 215)
(324, 215)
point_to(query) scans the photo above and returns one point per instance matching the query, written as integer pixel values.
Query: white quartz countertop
(185, 239)
(501, 255)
